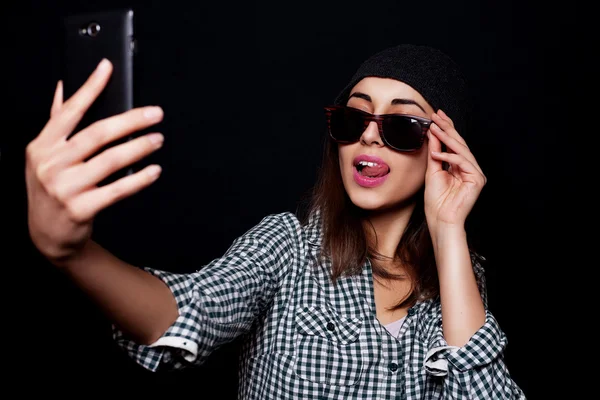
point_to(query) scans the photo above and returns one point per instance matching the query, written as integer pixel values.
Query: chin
(380, 201)
(370, 202)
(381, 198)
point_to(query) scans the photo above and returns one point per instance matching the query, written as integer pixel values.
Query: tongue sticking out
(375, 172)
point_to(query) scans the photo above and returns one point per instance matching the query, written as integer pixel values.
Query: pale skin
(449, 197)
(63, 200)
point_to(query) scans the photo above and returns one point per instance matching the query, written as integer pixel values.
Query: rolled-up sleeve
(222, 300)
(477, 369)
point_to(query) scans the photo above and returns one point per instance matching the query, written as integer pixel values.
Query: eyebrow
(394, 102)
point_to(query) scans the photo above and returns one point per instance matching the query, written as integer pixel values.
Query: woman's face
(406, 170)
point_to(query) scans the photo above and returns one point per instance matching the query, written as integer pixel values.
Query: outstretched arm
(134, 300)
(62, 176)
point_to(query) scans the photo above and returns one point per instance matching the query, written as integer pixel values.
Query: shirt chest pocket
(328, 349)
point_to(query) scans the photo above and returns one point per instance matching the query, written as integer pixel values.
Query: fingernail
(154, 170)
(153, 113)
(103, 65)
(156, 139)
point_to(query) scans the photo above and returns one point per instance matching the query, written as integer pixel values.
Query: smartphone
(87, 39)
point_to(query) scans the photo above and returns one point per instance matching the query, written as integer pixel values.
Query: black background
(243, 86)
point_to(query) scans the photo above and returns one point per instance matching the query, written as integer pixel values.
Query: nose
(371, 135)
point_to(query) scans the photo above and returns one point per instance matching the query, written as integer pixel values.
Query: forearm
(137, 302)
(463, 312)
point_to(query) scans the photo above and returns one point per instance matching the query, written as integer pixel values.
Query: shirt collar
(314, 228)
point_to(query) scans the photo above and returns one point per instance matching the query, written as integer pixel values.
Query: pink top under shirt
(394, 327)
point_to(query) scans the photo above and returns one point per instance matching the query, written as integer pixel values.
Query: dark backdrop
(267, 70)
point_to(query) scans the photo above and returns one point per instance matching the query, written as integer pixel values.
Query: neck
(384, 228)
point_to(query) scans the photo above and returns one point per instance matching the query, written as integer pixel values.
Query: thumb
(57, 101)
(433, 165)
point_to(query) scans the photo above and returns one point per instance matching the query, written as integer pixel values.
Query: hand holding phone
(63, 176)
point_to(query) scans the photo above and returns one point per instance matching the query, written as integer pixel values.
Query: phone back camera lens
(93, 29)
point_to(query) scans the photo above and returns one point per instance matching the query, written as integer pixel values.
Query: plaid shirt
(310, 339)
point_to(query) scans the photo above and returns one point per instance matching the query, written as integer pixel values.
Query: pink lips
(365, 181)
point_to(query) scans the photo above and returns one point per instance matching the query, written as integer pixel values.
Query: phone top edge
(127, 13)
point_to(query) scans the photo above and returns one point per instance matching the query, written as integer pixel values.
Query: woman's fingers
(453, 144)
(466, 168)
(444, 122)
(95, 137)
(85, 176)
(88, 204)
(66, 118)
(57, 101)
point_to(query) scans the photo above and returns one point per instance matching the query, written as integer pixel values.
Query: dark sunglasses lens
(346, 125)
(403, 133)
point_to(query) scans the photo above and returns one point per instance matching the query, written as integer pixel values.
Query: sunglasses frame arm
(425, 122)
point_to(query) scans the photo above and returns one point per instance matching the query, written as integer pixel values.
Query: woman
(375, 294)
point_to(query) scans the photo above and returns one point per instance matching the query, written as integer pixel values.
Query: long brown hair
(345, 241)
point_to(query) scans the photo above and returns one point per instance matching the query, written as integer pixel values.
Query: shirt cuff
(190, 349)
(483, 348)
(177, 341)
(436, 363)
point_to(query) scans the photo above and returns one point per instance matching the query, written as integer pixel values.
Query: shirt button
(393, 367)
(411, 311)
(330, 326)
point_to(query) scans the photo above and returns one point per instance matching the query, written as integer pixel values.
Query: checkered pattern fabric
(307, 338)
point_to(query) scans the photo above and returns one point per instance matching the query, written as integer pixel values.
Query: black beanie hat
(429, 71)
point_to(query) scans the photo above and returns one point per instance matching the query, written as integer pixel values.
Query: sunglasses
(401, 132)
